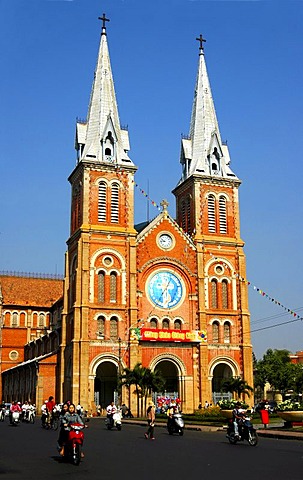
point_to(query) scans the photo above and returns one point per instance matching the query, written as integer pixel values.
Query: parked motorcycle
(246, 432)
(114, 420)
(175, 424)
(73, 446)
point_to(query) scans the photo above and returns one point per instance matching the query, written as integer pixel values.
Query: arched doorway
(169, 372)
(221, 372)
(105, 383)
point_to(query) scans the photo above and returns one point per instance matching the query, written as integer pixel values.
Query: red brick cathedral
(168, 293)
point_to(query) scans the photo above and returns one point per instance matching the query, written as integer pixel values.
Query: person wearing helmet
(237, 416)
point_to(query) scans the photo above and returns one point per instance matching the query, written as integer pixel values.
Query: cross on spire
(103, 19)
(201, 40)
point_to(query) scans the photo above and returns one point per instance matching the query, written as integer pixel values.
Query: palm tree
(145, 381)
(236, 385)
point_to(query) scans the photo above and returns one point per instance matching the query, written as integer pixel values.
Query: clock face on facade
(165, 289)
(165, 241)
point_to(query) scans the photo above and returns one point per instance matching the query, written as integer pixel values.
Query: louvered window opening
(188, 226)
(101, 326)
(101, 287)
(153, 323)
(183, 213)
(41, 322)
(113, 287)
(102, 202)
(165, 324)
(214, 294)
(224, 294)
(114, 328)
(14, 321)
(215, 332)
(115, 203)
(226, 332)
(222, 215)
(177, 325)
(211, 214)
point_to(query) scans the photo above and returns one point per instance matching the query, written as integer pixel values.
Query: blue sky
(254, 53)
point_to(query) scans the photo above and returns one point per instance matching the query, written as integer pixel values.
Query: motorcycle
(114, 420)
(73, 446)
(175, 424)
(15, 418)
(246, 432)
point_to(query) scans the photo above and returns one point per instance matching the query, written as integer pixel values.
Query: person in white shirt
(110, 410)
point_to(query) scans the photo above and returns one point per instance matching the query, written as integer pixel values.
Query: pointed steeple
(202, 152)
(101, 138)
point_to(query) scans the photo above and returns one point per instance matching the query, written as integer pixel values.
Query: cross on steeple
(103, 19)
(201, 40)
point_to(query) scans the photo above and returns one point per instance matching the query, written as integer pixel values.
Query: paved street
(29, 452)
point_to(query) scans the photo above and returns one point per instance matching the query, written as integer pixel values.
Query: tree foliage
(236, 385)
(276, 368)
(145, 381)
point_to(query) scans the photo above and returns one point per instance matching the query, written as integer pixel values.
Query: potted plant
(227, 407)
(290, 410)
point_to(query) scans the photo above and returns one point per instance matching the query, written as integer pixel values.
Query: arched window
(153, 323)
(113, 287)
(211, 213)
(224, 294)
(222, 214)
(214, 294)
(14, 319)
(41, 320)
(102, 202)
(183, 215)
(188, 219)
(114, 328)
(215, 332)
(108, 151)
(101, 287)
(100, 326)
(73, 281)
(165, 324)
(226, 332)
(177, 324)
(115, 203)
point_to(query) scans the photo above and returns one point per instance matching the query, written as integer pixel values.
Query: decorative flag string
(242, 279)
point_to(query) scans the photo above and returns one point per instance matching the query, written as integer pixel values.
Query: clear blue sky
(254, 54)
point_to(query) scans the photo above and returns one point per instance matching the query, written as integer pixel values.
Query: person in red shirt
(49, 408)
(50, 404)
(15, 407)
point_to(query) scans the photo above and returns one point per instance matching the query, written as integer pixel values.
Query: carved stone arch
(227, 361)
(103, 357)
(213, 320)
(180, 365)
(101, 179)
(211, 261)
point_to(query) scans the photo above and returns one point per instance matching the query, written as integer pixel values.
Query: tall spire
(203, 152)
(101, 138)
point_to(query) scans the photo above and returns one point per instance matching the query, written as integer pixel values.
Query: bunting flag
(261, 292)
(257, 289)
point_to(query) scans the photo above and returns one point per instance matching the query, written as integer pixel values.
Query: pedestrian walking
(151, 416)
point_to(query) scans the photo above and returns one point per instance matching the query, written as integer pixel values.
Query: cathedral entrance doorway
(105, 389)
(168, 370)
(221, 372)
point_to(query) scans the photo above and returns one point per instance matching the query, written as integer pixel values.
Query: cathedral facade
(170, 293)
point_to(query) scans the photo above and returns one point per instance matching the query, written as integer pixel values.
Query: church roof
(30, 292)
(101, 138)
(203, 152)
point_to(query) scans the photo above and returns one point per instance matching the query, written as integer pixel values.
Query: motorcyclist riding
(110, 410)
(237, 417)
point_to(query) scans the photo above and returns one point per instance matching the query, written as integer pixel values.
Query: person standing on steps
(151, 416)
